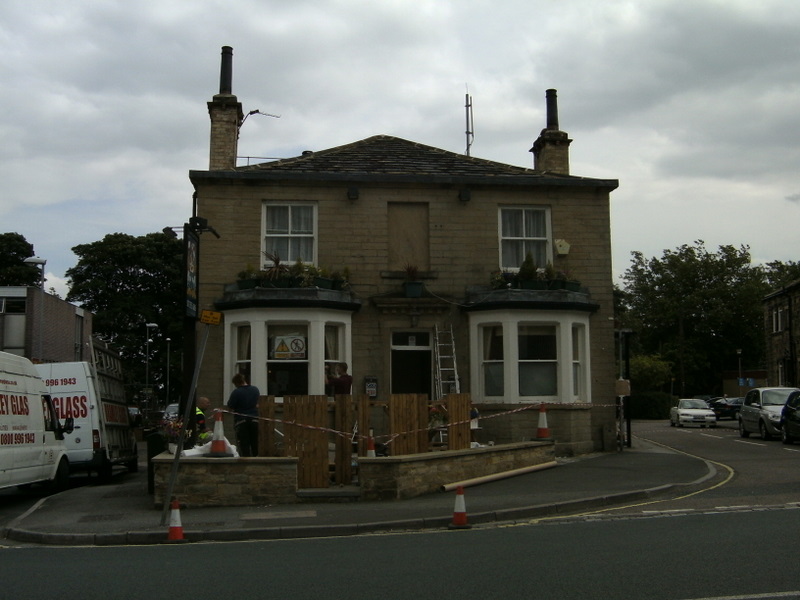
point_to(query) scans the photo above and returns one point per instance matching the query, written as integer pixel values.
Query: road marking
(751, 443)
(730, 475)
(791, 450)
(794, 594)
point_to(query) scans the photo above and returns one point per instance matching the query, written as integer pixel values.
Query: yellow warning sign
(289, 347)
(210, 317)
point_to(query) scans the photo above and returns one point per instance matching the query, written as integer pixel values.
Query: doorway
(412, 360)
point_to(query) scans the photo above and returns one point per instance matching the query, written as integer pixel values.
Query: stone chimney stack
(226, 117)
(551, 149)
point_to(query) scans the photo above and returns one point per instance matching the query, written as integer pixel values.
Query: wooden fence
(309, 426)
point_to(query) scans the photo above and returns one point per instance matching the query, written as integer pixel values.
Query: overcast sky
(694, 105)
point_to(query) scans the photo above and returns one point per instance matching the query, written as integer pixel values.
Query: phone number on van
(9, 439)
(64, 381)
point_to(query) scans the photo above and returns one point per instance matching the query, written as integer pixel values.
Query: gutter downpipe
(449, 487)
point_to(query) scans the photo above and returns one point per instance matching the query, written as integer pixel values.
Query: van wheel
(61, 480)
(742, 431)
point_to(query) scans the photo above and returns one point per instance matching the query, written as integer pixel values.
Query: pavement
(123, 513)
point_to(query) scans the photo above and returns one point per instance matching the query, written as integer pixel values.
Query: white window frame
(573, 365)
(289, 235)
(260, 320)
(525, 239)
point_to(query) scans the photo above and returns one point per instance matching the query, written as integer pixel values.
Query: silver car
(761, 411)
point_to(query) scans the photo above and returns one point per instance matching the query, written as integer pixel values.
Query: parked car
(727, 408)
(761, 411)
(171, 411)
(790, 419)
(691, 411)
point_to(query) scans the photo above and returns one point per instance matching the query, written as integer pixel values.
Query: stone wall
(394, 478)
(252, 481)
(206, 481)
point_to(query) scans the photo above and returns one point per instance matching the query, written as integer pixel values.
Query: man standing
(342, 383)
(243, 401)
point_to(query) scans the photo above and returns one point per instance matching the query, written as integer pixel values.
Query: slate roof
(389, 158)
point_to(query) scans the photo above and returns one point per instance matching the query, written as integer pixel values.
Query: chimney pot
(552, 109)
(226, 71)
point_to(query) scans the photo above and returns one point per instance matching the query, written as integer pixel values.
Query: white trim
(510, 320)
(315, 319)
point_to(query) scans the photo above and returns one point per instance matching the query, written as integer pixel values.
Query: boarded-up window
(409, 239)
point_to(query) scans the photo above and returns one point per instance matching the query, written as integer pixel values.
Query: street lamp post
(148, 327)
(166, 401)
(739, 354)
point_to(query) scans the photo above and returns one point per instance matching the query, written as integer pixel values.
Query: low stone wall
(204, 481)
(392, 478)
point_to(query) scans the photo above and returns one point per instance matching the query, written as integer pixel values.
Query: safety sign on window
(289, 347)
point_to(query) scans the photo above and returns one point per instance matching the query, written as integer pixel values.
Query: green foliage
(649, 373)
(780, 274)
(527, 270)
(650, 405)
(14, 249)
(128, 281)
(694, 309)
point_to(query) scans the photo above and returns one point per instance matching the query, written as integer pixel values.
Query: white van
(31, 438)
(102, 436)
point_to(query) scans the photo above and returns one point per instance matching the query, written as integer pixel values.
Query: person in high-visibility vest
(203, 433)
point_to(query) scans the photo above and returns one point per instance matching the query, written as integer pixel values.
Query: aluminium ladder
(446, 370)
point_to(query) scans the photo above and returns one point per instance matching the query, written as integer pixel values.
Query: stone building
(383, 209)
(782, 330)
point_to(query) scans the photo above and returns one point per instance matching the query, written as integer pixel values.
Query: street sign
(210, 317)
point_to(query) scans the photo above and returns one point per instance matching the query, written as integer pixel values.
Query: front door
(412, 361)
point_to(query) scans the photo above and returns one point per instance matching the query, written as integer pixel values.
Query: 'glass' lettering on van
(76, 407)
(13, 405)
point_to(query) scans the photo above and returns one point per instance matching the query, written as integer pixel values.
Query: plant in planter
(322, 279)
(529, 275)
(277, 274)
(412, 286)
(248, 278)
(341, 281)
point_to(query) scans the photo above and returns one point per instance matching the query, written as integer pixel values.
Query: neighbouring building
(382, 210)
(782, 330)
(43, 327)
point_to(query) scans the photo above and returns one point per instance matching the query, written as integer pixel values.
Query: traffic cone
(218, 448)
(370, 447)
(543, 431)
(175, 528)
(460, 511)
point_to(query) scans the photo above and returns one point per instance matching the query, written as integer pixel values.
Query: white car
(692, 412)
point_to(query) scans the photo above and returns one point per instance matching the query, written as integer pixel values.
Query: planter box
(533, 284)
(325, 283)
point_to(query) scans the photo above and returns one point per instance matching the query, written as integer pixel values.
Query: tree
(14, 249)
(695, 308)
(779, 274)
(127, 282)
(649, 373)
